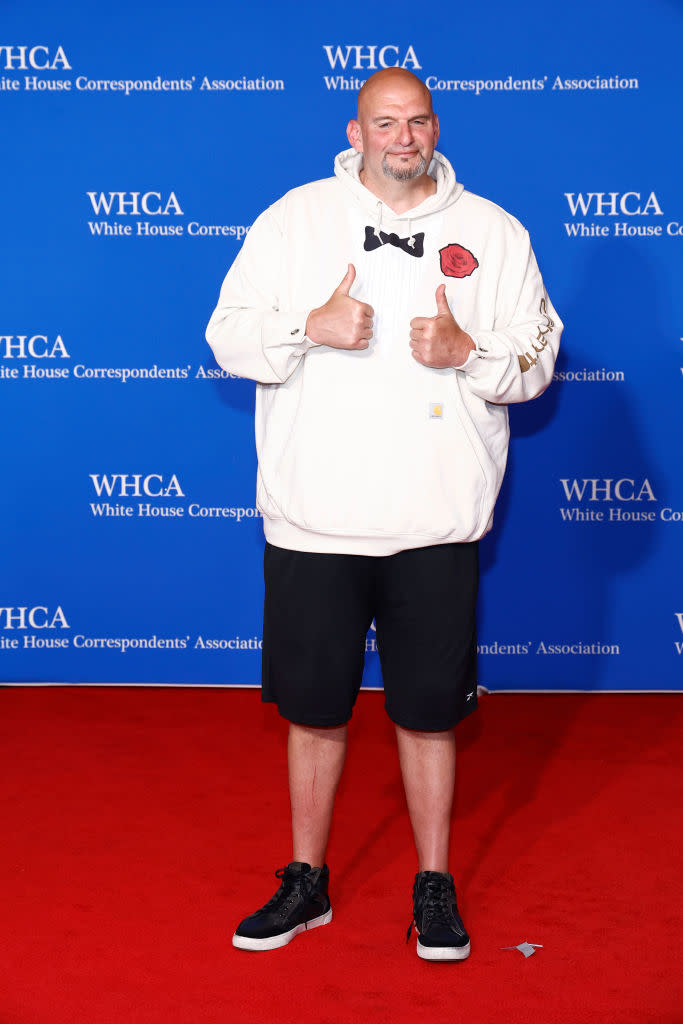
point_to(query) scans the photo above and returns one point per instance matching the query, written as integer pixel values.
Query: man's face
(396, 131)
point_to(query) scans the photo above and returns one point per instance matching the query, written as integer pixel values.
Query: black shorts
(319, 607)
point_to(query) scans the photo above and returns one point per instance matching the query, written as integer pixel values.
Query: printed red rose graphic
(457, 261)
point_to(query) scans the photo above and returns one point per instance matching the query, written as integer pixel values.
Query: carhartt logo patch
(436, 410)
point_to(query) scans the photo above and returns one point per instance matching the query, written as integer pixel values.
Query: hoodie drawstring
(378, 218)
(378, 225)
(411, 237)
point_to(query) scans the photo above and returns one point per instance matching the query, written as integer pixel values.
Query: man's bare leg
(316, 760)
(428, 769)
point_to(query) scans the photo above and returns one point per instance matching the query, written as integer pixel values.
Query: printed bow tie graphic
(372, 241)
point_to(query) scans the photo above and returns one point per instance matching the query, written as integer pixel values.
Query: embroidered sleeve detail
(530, 359)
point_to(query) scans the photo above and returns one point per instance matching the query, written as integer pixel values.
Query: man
(388, 316)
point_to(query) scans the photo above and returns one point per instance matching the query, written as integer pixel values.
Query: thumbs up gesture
(439, 341)
(342, 322)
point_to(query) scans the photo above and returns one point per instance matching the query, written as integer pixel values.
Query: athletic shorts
(319, 608)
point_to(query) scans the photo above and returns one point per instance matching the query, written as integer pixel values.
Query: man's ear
(353, 134)
(436, 130)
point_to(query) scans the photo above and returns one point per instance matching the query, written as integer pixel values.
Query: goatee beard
(404, 173)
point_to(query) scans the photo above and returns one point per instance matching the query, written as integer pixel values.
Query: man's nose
(405, 134)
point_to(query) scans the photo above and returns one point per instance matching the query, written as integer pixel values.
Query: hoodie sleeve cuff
(287, 331)
(285, 341)
(474, 355)
(487, 349)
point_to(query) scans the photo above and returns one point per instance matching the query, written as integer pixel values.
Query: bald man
(388, 317)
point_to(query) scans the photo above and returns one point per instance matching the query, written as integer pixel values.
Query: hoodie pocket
(377, 454)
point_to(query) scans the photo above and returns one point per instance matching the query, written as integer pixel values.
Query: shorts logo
(457, 261)
(436, 410)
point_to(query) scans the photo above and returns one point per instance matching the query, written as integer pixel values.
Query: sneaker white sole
(443, 952)
(275, 941)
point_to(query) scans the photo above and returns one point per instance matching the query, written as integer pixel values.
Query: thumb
(347, 281)
(441, 301)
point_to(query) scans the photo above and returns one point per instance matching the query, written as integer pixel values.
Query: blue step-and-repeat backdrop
(139, 143)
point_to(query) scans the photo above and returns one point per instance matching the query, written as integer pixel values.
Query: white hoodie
(369, 452)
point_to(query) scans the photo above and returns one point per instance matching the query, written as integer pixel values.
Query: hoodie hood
(347, 168)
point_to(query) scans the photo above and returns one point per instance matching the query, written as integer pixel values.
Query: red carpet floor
(141, 824)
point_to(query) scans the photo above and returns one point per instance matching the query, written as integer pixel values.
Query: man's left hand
(439, 341)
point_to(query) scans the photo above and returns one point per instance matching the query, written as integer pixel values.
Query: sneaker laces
(437, 907)
(292, 887)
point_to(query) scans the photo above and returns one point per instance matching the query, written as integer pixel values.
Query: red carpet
(141, 824)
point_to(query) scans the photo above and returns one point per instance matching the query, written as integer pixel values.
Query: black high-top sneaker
(441, 933)
(301, 903)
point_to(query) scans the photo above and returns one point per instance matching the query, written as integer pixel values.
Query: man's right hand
(342, 322)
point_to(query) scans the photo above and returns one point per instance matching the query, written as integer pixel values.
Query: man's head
(395, 127)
